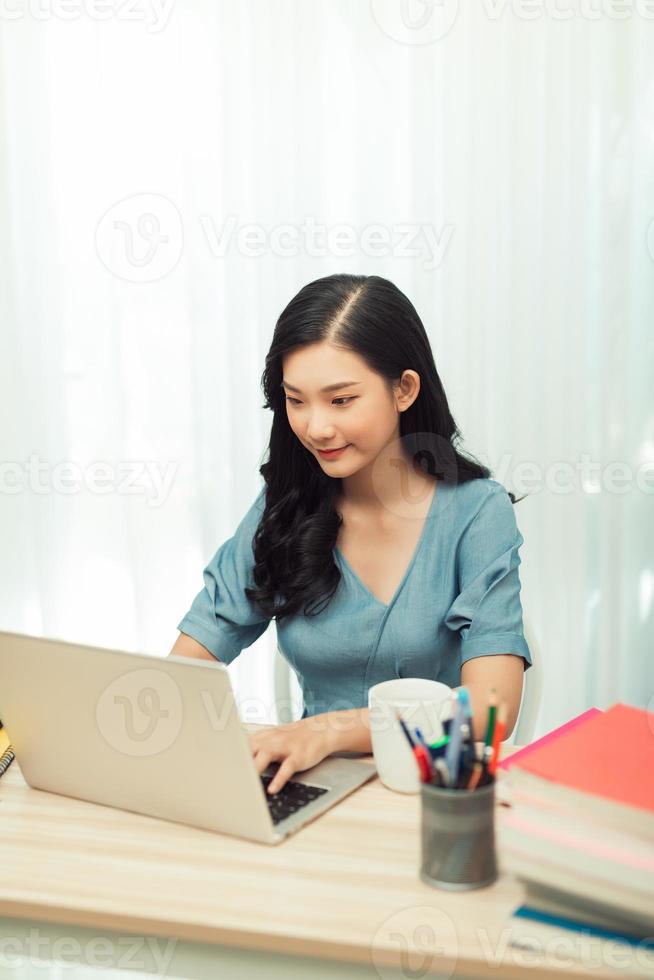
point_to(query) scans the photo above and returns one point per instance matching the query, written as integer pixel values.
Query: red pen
(424, 762)
(420, 753)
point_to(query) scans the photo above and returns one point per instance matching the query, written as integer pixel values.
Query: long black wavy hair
(293, 545)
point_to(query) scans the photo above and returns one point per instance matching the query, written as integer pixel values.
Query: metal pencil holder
(458, 837)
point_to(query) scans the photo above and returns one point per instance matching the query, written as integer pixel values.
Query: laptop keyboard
(290, 798)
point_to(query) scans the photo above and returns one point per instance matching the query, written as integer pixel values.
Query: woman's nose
(319, 429)
(320, 436)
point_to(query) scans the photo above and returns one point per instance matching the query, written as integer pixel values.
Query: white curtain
(170, 178)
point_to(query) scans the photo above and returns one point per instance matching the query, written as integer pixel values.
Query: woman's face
(361, 415)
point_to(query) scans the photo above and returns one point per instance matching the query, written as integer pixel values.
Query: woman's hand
(298, 745)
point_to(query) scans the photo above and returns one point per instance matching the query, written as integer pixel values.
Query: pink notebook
(522, 754)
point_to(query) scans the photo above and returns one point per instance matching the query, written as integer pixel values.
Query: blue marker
(453, 751)
(467, 728)
(465, 697)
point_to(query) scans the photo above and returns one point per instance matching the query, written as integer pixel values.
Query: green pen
(492, 709)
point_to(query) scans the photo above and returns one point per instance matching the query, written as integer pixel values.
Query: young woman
(395, 556)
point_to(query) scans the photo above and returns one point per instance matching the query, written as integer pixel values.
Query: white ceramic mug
(423, 704)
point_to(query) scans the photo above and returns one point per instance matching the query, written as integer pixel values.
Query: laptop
(159, 736)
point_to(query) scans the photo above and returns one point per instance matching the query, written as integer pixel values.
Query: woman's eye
(345, 398)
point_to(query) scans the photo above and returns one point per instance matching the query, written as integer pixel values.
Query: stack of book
(579, 834)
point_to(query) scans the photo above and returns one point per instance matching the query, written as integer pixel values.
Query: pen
(419, 752)
(405, 730)
(498, 735)
(453, 751)
(476, 775)
(422, 751)
(492, 708)
(464, 697)
(420, 736)
(423, 759)
(470, 754)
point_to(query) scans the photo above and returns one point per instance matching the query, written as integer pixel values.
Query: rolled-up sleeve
(221, 616)
(487, 611)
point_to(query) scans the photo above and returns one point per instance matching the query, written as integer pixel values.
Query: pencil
(498, 735)
(476, 775)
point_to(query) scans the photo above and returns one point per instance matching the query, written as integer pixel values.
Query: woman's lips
(332, 453)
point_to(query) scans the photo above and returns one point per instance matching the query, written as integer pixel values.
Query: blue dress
(459, 598)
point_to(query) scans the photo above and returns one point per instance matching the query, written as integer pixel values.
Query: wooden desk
(342, 897)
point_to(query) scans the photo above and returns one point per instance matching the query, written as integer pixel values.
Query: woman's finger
(256, 741)
(262, 759)
(283, 774)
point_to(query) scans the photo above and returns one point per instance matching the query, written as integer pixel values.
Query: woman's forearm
(349, 731)
(345, 731)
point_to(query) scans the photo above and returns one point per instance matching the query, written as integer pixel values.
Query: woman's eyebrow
(334, 387)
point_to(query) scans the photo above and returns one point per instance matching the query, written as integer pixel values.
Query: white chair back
(532, 691)
(282, 681)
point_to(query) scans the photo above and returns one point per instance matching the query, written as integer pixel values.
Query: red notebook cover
(521, 754)
(610, 755)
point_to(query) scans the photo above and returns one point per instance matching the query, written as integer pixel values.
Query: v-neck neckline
(387, 605)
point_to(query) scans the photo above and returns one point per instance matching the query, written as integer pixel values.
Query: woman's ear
(407, 390)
